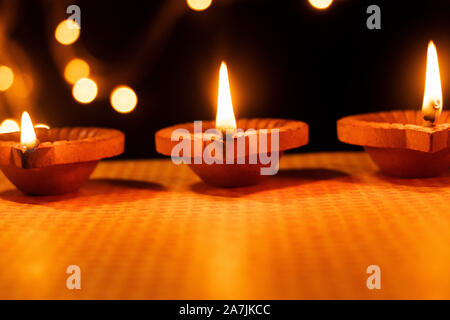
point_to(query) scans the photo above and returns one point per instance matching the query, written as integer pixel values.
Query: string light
(85, 90)
(75, 70)
(67, 32)
(199, 5)
(9, 125)
(123, 99)
(320, 4)
(107, 74)
(6, 78)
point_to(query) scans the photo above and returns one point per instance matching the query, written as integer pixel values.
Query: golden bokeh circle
(123, 99)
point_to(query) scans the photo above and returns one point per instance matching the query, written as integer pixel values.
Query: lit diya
(55, 161)
(409, 144)
(230, 153)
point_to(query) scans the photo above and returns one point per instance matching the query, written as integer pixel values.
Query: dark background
(285, 58)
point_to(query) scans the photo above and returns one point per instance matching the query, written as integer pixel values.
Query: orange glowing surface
(308, 233)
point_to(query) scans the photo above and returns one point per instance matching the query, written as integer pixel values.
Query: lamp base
(407, 163)
(52, 180)
(231, 175)
(228, 175)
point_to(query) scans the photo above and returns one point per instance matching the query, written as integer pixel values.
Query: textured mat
(150, 229)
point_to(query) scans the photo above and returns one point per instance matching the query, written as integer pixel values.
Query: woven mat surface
(150, 229)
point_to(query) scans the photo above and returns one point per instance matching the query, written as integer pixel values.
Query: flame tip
(223, 65)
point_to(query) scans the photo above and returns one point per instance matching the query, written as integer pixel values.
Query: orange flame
(432, 99)
(225, 119)
(27, 134)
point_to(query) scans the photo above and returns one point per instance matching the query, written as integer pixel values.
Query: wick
(26, 153)
(428, 123)
(437, 104)
(27, 150)
(227, 133)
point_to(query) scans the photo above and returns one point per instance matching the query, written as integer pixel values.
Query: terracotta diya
(246, 144)
(55, 161)
(410, 144)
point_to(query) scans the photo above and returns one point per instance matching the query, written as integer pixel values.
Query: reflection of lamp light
(6, 78)
(123, 99)
(321, 4)
(199, 5)
(85, 90)
(42, 125)
(9, 125)
(67, 32)
(75, 70)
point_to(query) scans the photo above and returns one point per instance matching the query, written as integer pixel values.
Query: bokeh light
(320, 4)
(67, 32)
(75, 70)
(123, 99)
(85, 90)
(9, 125)
(199, 5)
(6, 78)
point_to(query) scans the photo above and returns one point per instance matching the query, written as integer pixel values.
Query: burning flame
(225, 119)
(432, 99)
(27, 134)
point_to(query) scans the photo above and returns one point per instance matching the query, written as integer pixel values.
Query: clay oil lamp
(243, 150)
(409, 144)
(40, 161)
